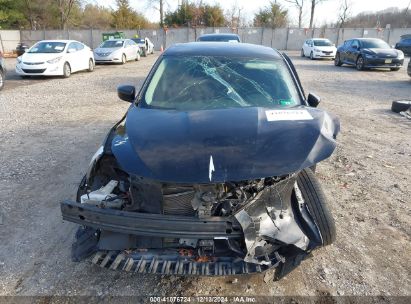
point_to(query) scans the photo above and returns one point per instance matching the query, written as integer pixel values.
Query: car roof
(222, 49)
(63, 41)
(219, 34)
(319, 39)
(364, 39)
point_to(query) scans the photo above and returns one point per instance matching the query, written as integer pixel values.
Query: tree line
(78, 14)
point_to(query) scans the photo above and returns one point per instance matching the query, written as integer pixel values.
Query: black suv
(369, 53)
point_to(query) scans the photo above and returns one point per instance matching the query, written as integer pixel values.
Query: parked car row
(64, 57)
(363, 53)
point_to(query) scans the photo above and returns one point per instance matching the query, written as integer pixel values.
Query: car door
(344, 51)
(71, 57)
(129, 50)
(307, 48)
(353, 51)
(135, 48)
(82, 56)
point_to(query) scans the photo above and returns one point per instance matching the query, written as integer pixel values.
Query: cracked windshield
(208, 82)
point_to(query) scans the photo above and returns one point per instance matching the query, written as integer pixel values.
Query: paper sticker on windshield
(59, 47)
(279, 115)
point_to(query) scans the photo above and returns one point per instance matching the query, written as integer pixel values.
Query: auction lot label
(280, 115)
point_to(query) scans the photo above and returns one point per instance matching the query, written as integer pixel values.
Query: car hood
(106, 50)
(222, 145)
(382, 52)
(39, 57)
(326, 48)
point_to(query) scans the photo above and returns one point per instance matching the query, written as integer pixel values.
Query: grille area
(37, 71)
(179, 203)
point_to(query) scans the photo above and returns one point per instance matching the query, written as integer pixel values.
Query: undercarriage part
(146, 224)
(85, 244)
(174, 263)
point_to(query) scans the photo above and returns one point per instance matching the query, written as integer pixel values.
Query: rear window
(112, 44)
(210, 82)
(220, 38)
(138, 40)
(407, 40)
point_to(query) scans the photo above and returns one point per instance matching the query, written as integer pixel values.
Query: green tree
(98, 17)
(10, 14)
(189, 13)
(213, 15)
(126, 18)
(273, 16)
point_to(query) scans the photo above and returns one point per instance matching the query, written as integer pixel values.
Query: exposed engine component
(104, 197)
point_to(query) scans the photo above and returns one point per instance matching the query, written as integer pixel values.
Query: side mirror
(313, 100)
(126, 92)
(355, 47)
(71, 50)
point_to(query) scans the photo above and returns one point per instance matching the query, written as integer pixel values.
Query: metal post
(286, 38)
(91, 38)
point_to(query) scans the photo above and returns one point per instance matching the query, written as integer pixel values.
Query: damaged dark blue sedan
(211, 171)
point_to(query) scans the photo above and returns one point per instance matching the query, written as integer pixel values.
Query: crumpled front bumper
(154, 225)
(276, 230)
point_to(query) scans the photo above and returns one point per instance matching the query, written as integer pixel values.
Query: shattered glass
(211, 82)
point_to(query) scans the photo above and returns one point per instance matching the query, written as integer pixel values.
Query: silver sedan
(117, 50)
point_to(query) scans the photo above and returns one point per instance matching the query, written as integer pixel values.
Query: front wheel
(123, 59)
(360, 63)
(302, 53)
(314, 197)
(66, 70)
(90, 65)
(312, 56)
(138, 57)
(337, 60)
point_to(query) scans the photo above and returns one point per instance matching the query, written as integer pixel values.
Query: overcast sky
(325, 13)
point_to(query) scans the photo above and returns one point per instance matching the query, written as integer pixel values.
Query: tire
(144, 52)
(81, 189)
(395, 69)
(302, 53)
(337, 60)
(311, 56)
(66, 70)
(359, 64)
(400, 105)
(90, 65)
(152, 50)
(317, 205)
(138, 57)
(123, 59)
(2, 80)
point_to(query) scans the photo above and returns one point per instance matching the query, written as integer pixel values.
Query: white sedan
(117, 50)
(318, 48)
(55, 58)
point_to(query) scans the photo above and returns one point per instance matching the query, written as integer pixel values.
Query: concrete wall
(282, 38)
(9, 40)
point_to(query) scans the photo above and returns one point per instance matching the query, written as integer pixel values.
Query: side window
(79, 46)
(355, 44)
(72, 46)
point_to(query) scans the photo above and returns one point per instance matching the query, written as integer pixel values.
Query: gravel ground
(52, 127)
